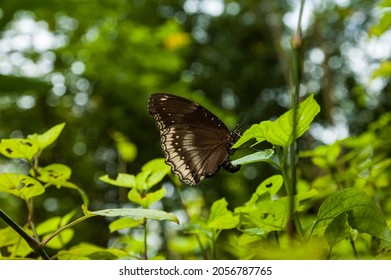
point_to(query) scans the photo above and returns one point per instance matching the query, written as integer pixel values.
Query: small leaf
(48, 137)
(158, 169)
(220, 217)
(124, 223)
(138, 213)
(148, 199)
(281, 131)
(18, 148)
(122, 180)
(22, 186)
(126, 149)
(271, 185)
(255, 157)
(256, 131)
(54, 174)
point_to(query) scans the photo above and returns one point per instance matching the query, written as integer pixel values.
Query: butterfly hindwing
(194, 141)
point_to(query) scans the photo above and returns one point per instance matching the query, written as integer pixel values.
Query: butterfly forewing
(195, 142)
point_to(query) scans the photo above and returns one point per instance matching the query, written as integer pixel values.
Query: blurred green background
(93, 65)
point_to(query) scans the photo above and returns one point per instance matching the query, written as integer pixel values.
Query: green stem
(44, 242)
(145, 240)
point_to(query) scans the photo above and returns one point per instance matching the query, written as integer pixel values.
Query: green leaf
(220, 217)
(122, 180)
(48, 137)
(138, 214)
(363, 214)
(54, 174)
(51, 225)
(158, 169)
(126, 149)
(22, 186)
(384, 70)
(256, 131)
(85, 251)
(270, 215)
(148, 199)
(281, 131)
(18, 148)
(337, 230)
(255, 157)
(124, 223)
(271, 185)
(264, 191)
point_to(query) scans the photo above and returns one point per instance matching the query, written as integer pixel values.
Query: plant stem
(145, 239)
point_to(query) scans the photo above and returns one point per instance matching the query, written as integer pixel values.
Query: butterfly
(196, 143)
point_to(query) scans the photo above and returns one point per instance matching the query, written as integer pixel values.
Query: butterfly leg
(228, 166)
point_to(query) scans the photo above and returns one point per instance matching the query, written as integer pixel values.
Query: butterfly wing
(194, 141)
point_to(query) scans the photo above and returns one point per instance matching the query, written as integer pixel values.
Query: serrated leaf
(280, 132)
(220, 217)
(124, 223)
(18, 148)
(122, 180)
(48, 137)
(54, 174)
(363, 214)
(255, 157)
(21, 186)
(137, 213)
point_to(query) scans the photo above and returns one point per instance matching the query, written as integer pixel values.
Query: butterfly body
(195, 142)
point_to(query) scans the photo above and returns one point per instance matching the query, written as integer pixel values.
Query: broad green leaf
(220, 217)
(22, 186)
(122, 180)
(148, 199)
(255, 157)
(256, 131)
(337, 230)
(363, 214)
(280, 132)
(124, 223)
(18, 148)
(48, 137)
(138, 214)
(54, 174)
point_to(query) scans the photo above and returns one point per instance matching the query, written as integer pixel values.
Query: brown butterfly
(195, 142)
